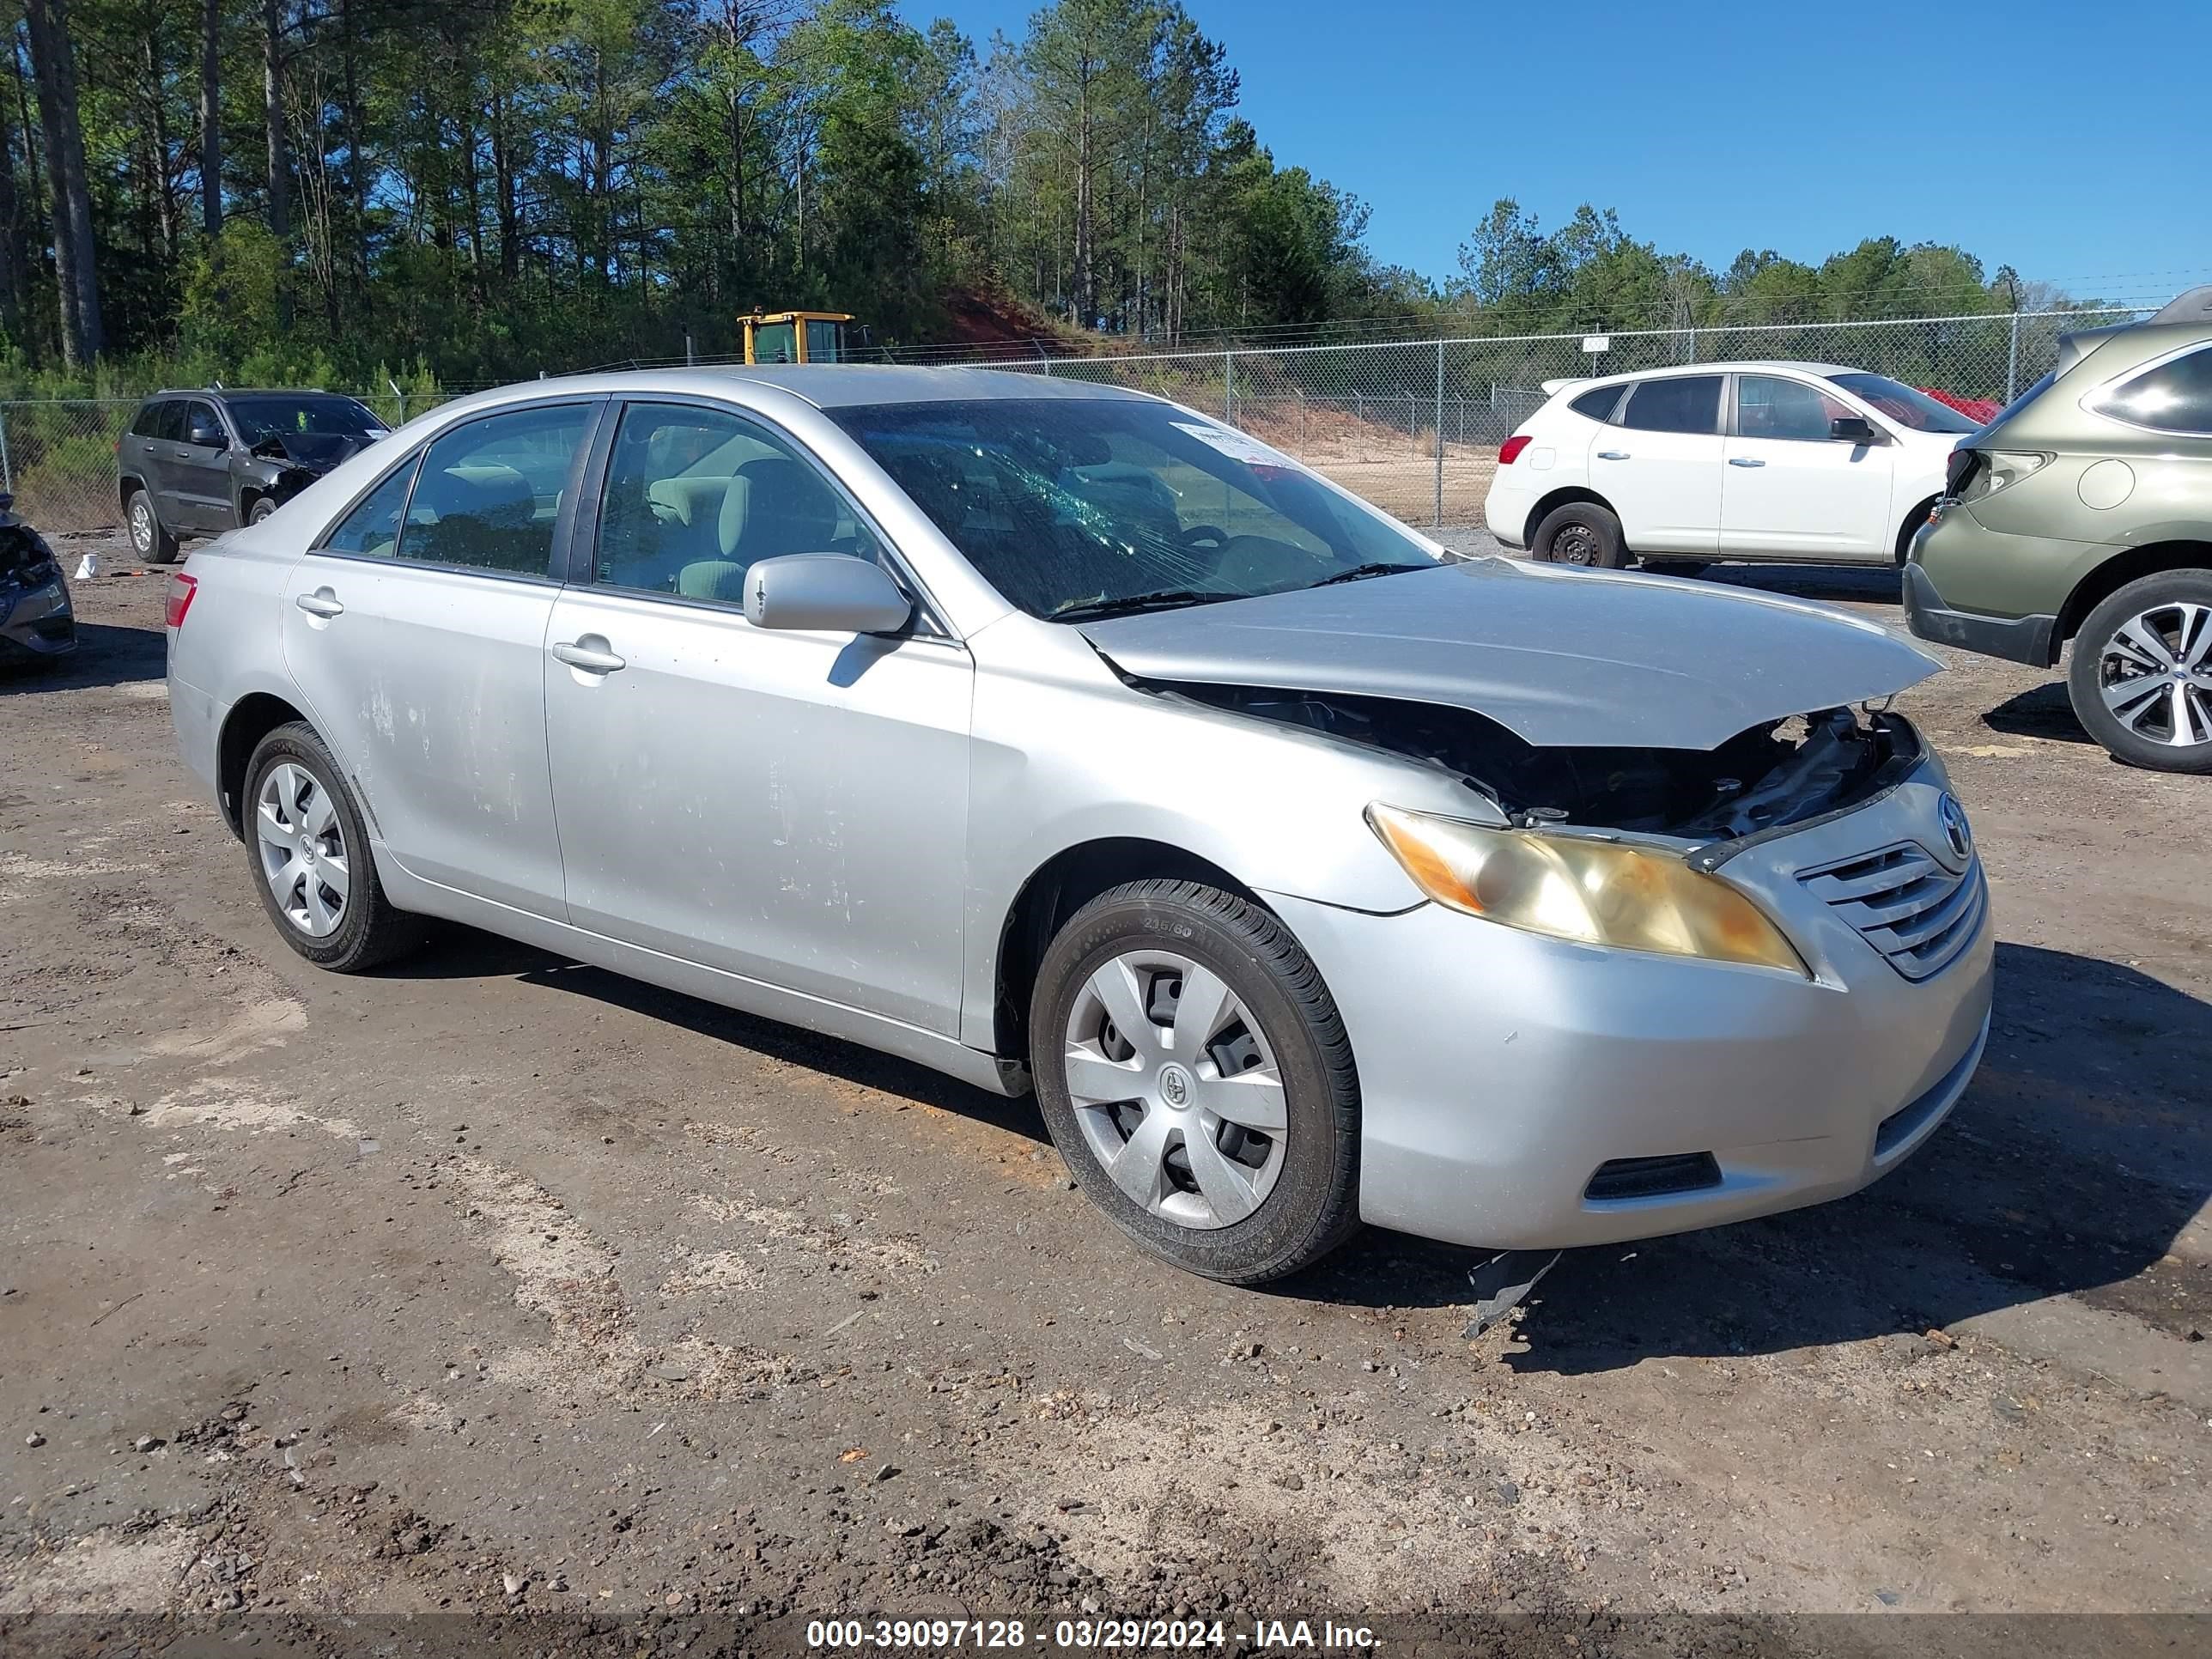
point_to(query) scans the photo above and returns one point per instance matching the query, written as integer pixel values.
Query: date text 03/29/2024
(1091, 1635)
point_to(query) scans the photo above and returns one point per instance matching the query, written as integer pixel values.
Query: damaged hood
(1557, 656)
(314, 452)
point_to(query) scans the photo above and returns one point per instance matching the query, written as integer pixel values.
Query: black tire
(2138, 734)
(1675, 566)
(370, 930)
(148, 539)
(260, 510)
(1313, 1205)
(1581, 532)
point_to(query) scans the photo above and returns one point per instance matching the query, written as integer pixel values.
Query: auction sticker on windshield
(1236, 446)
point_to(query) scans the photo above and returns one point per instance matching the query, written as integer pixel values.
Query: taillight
(1510, 449)
(181, 589)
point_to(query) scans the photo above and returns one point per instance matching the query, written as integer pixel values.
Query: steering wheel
(1196, 533)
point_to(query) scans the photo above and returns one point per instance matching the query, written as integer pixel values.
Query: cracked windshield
(1081, 509)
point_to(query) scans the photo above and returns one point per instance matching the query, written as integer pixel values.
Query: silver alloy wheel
(2155, 674)
(303, 850)
(1175, 1088)
(142, 525)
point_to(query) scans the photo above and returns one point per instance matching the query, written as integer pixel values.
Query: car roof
(825, 386)
(247, 392)
(1741, 364)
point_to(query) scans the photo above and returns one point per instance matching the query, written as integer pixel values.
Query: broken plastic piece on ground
(87, 567)
(1501, 1282)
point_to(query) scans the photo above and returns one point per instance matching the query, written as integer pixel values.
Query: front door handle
(321, 603)
(1612, 454)
(592, 660)
(1744, 461)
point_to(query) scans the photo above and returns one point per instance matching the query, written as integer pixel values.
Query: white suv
(1759, 460)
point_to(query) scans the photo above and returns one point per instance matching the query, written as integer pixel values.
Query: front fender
(1065, 753)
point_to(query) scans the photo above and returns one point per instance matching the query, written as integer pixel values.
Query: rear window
(1597, 404)
(1681, 403)
(2175, 397)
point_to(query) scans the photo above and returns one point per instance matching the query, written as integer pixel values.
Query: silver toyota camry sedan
(1054, 735)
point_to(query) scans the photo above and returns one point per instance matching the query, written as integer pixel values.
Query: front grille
(1918, 913)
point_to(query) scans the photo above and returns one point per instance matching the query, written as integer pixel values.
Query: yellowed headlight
(1570, 887)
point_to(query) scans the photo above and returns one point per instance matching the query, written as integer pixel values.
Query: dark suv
(199, 463)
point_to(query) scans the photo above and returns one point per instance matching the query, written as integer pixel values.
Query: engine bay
(1773, 775)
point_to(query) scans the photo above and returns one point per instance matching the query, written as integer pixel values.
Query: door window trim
(595, 417)
(582, 565)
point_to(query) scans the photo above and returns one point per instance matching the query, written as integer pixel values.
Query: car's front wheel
(148, 538)
(1581, 532)
(261, 510)
(2141, 680)
(1195, 1074)
(309, 852)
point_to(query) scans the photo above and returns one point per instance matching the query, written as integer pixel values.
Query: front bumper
(2017, 639)
(38, 625)
(1500, 1071)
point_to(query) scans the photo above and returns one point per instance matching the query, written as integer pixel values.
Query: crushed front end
(38, 623)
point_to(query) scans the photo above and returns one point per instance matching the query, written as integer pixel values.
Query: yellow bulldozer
(797, 336)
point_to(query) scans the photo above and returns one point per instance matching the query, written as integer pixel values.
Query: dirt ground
(493, 1285)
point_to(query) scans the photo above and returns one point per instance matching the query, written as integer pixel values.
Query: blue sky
(2070, 142)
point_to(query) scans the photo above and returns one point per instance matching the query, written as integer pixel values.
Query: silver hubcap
(1175, 1088)
(141, 524)
(303, 850)
(2155, 674)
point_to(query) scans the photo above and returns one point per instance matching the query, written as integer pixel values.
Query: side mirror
(1854, 429)
(825, 593)
(208, 437)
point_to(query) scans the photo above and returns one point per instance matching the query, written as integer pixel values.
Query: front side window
(2174, 397)
(1083, 506)
(696, 496)
(1768, 406)
(489, 492)
(203, 426)
(1677, 403)
(371, 530)
(1903, 404)
(821, 341)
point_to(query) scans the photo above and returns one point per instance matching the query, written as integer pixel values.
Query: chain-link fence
(1412, 425)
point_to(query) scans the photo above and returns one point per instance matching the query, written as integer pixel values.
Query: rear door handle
(1744, 461)
(577, 654)
(1612, 454)
(321, 603)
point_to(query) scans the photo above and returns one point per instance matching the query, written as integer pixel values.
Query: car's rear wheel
(309, 851)
(2141, 680)
(148, 538)
(1195, 1075)
(1581, 532)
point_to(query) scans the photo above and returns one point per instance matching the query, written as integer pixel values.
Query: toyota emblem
(1956, 830)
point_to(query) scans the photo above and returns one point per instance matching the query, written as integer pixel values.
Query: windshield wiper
(1167, 598)
(1361, 572)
